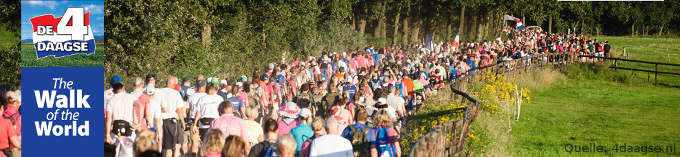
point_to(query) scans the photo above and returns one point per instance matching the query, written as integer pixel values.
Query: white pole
(519, 103)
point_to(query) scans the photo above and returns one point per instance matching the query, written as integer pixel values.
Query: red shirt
(7, 131)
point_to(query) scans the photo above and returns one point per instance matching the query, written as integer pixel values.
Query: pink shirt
(231, 125)
(213, 154)
(285, 128)
(243, 96)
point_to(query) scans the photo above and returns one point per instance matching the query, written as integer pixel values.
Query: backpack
(302, 100)
(384, 143)
(359, 142)
(271, 150)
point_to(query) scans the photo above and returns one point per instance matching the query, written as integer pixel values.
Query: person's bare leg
(168, 152)
(177, 150)
(194, 147)
(184, 145)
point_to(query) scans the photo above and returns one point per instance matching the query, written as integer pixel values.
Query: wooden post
(656, 72)
(615, 64)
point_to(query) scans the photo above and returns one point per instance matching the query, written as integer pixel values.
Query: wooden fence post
(656, 72)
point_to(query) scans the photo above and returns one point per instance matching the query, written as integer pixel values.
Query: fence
(448, 139)
(655, 71)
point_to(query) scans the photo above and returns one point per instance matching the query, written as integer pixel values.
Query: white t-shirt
(121, 105)
(208, 105)
(107, 96)
(193, 103)
(396, 102)
(171, 100)
(154, 110)
(391, 112)
(331, 146)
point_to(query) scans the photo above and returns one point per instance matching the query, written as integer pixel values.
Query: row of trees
(233, 37)
(10, 71)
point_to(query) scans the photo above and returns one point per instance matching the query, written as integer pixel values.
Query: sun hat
(223, 82)
(291, 110)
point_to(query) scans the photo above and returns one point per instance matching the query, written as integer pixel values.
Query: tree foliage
(10, 71)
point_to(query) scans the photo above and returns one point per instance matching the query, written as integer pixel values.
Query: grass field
(29, 58)
(591, 105)
(578, 112)
(666, 50)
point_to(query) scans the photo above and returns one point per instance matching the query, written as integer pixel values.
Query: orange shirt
(409, 86)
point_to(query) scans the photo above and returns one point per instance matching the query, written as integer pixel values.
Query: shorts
(201, 132)
(171, 133)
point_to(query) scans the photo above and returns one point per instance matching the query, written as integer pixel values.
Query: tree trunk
(405, 32)
(475, 28)
(362, 23)
(378, 29)
(480, 27)
(550, 24)
(383, 30)
(415, 31)
(646, 30)
(597, 29)
(461, 19)
(448, 31)
(523, 18)
(632, 30)
(660, 29)
(582, 25)
(405, 28)
(395, 34)
(486, 26)
(354, 24)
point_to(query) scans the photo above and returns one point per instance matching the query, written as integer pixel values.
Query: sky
(33, 8)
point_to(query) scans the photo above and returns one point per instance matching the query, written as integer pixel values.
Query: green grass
(29, 59)
(666, 50)
(580, 112)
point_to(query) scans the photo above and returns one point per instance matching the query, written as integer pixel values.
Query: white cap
(305, 112)
(149, 90)
(223, 82)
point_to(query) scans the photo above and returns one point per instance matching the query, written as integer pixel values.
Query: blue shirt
(351, 90)
(376, 58)
(400, 87)
(301, 133)
(347, 133)
(237, 103)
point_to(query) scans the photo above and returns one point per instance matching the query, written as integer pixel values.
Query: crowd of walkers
(10, 123)
(352, 103)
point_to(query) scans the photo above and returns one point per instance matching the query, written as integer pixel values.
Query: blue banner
(62, 110)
